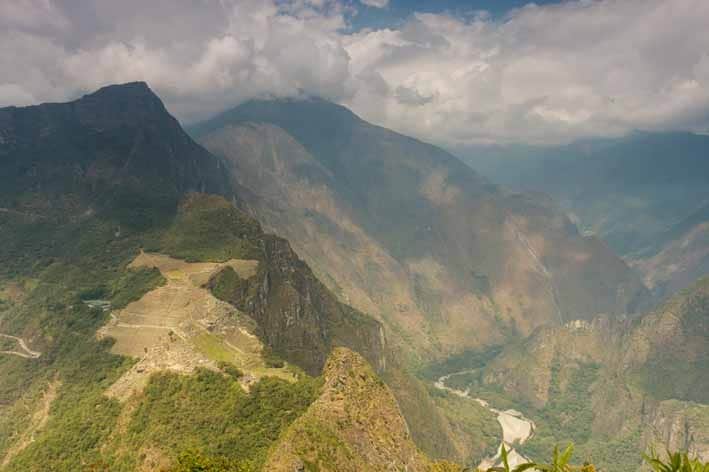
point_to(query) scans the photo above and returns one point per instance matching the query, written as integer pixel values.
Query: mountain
(406, 232)
(610, 386)
(117, 136)
(678, 257)
(148, 322)
(144, 324)
(355, 424)
(640, 193)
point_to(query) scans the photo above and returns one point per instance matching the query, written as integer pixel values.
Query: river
(516, 428)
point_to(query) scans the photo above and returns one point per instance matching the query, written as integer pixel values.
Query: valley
(516, 429)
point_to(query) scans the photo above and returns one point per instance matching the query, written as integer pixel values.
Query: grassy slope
(82, 258)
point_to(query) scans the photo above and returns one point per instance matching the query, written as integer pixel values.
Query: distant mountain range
(646, 194)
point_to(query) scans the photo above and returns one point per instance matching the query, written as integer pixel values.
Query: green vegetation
(208, 228)
(134, 284)
(77, 260)
(211, 413)
(468, 360)
(227, 285)
(675, 462)
(568, 414)
(676, 368)
(231, 370)
(195, 461)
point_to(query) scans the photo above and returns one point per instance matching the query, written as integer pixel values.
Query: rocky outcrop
(355, 425)
(679, 257)
(679, 426)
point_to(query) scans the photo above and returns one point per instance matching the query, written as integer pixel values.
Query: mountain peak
(298, 115)
(117, 134)
(129, 103)
(135, 87)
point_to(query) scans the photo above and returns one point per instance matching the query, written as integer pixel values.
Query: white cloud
(375, 3)
(542, 74)
(31, 14)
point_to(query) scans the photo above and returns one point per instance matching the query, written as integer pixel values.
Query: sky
(451, 72)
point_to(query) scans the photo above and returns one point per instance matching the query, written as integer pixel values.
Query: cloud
(542, 74)
(375, 3)
(31, 14)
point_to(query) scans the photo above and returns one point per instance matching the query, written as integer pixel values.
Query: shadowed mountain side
(121, 134)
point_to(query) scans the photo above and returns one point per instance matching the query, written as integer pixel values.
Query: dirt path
(27, 354)
(516, 429)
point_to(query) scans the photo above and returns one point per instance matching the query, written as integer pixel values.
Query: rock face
(298, 317)
(404, 231)
(354, 425)
(681, 426)
(668, 350)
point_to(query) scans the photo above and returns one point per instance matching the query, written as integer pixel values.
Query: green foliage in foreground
(561, 462)
(195, 461)
(675, 462)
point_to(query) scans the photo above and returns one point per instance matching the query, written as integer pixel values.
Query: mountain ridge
(419, 212)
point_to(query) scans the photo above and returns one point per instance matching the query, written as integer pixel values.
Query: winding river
(516, 429)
